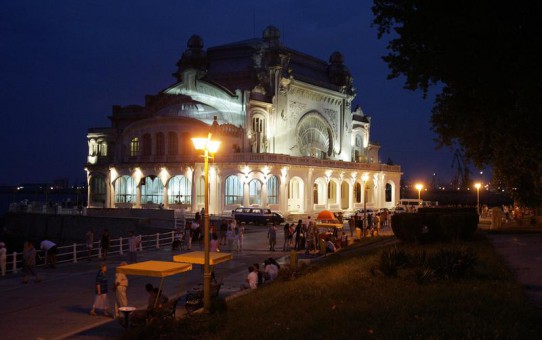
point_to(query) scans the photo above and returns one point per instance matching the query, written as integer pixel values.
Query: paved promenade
(57, 308)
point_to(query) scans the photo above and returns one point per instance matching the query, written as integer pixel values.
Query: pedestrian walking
(133, 244)
(100, 299)
(120, 287)
(105, 243)
(286, 245)
(29, 262)
(272, 236)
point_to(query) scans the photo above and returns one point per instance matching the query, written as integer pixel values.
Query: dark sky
(63, 64)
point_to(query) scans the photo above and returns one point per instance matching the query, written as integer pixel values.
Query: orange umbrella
(326, 215)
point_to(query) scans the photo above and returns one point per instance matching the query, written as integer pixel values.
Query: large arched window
(272, 190)
(97, 189)
(134, 147)
(319, 191)
(314, 136)
(125, 190)
(388, 192)
(332, 192)
(172, 144)
(160, 144)
(179, 190)
(152, 190)
(255, 192)
(357, 192)
(258, 130)
(147, 145)
(233, 193)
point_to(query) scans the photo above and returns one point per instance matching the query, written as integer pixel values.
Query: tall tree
(486, 59)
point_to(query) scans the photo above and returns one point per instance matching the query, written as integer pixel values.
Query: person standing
(196, 232)
(286, 245)
(105, 243)
(90, 242)
(298, 232)
(133, 243)
(239, 235)
(230, 237)
(29, 262)
(51, 250)
(213, 244)
(100, 299)
(3, 258)
(272, 236)
(223, 231)
(121, 285)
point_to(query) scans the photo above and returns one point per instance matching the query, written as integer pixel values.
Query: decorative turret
(194, 57)
(338, 73)
(271, 34)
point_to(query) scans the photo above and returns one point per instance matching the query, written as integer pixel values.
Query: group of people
(303, 235)
(105, 243)
(101, 302)
(257, 277)
(369, 223)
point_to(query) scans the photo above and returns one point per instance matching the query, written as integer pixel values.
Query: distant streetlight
(419, 187)
(477, 185)
(209, 147)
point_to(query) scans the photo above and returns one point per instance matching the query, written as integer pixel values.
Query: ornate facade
(290, 140)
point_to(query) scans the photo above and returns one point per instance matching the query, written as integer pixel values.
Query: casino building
(290, 140)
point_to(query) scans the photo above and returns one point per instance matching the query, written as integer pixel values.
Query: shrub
(447, 264)
(407, 227)
(391, 259)
(435, 224)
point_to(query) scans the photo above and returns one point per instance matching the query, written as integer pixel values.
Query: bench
(194, 300)
(166, 312)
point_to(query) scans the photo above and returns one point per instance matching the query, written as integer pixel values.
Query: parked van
(408, 204)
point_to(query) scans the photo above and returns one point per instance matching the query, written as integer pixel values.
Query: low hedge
(435, 224)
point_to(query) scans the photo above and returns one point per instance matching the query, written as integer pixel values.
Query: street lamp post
(209, 148)
(364, 178)
(419, 187)
(477, 185)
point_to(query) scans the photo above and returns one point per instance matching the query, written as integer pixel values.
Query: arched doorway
(295, 195)
(345, 195)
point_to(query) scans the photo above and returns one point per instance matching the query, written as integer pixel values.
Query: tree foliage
(486, 57)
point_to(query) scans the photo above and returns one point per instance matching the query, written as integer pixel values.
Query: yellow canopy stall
(197, 257)
(159, 269)
(154, 268)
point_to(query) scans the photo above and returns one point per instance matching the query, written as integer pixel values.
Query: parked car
(256, 216)
(398, 210)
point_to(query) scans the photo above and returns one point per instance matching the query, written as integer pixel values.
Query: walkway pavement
(57, 308)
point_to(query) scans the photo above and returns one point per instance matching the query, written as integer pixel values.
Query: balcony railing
(269, 158)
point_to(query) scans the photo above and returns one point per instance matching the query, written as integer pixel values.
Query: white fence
(79, 251)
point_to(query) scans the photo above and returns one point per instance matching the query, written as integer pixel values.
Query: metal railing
(78, 251)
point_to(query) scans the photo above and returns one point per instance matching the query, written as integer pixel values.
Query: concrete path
(57, 308)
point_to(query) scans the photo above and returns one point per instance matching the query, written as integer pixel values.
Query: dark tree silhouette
(484, 59)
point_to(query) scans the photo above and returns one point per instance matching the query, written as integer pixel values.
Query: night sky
(63, 64)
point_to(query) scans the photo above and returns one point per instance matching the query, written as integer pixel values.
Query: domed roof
(191, 109)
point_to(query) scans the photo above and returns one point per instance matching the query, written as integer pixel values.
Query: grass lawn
(345, 296)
